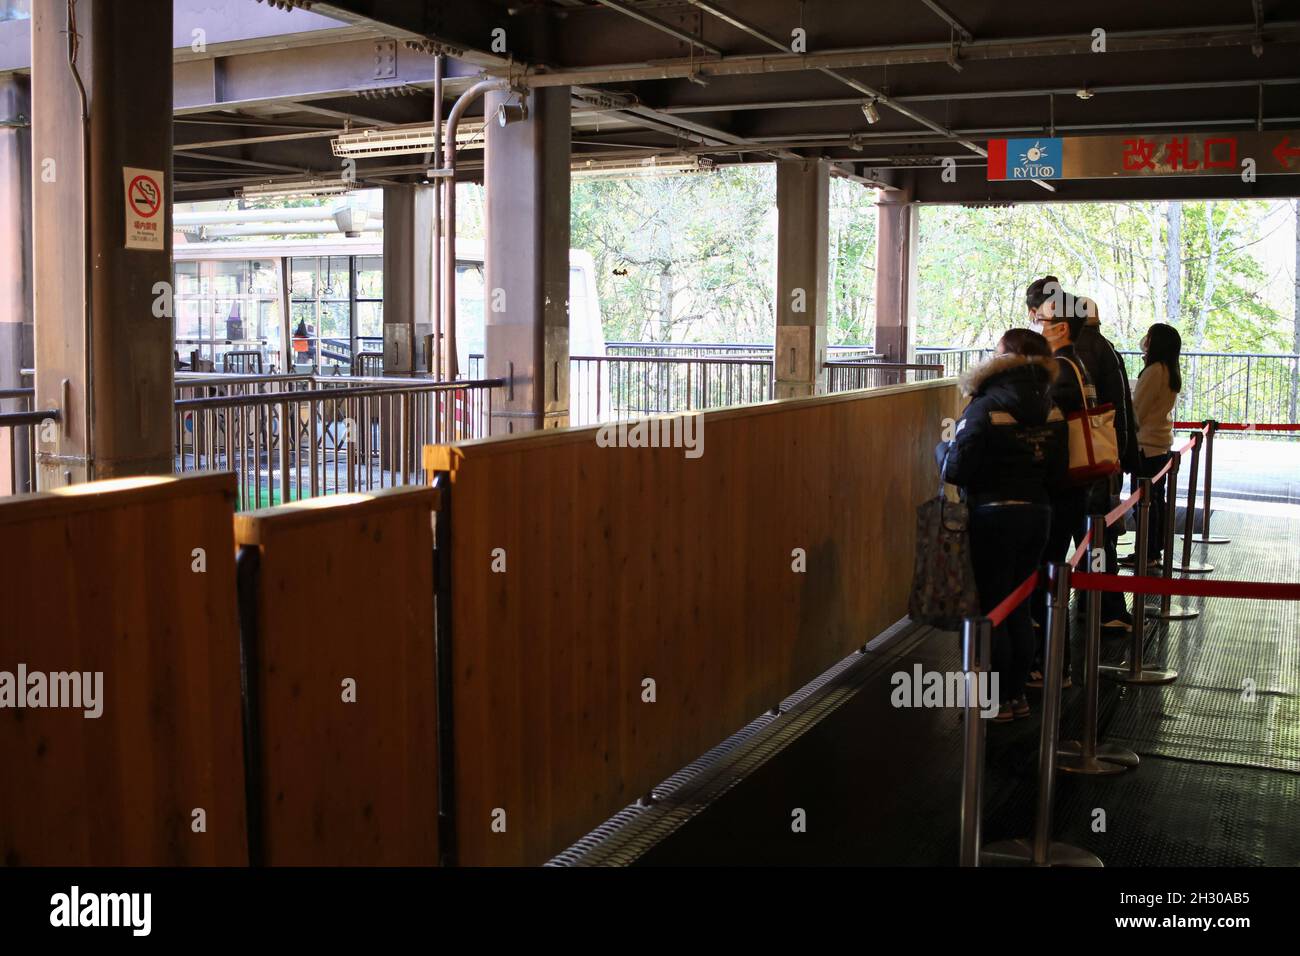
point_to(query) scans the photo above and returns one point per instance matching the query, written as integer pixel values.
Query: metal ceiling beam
(659, 25)
(1117, 41)
(952, 21)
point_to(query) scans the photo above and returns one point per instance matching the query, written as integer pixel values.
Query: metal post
(1168, 610)
(444, 677)
(1040, 850)
(247, 581)
(1134, 672)
(1209, 480)
(1188, 566)
(975, 636)
(1085, 755)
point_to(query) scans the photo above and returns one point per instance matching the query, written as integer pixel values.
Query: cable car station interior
(364, 539)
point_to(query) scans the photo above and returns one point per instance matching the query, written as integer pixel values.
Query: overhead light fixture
(507, 114)
(351, 220)
(397, 140)
(667, 165)
(1084, 94)
(870, 111)
(300, 187)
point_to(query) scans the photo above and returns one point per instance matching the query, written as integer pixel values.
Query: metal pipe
(1085, 755)
(1167, 532)
(1039, 850)
(1206, 510)
(975, 638)
(435, 274)
(449, 215)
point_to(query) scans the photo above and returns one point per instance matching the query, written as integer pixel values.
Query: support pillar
(408, 278)
(802, 237)
(896, 235)
(103, 334)
(16, 346)
(526, 294)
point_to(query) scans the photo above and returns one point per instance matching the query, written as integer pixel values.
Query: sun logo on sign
(1032, 155)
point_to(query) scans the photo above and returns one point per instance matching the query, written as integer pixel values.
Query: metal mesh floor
(1219, 783)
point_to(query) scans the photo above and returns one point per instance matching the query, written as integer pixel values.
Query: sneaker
(1005, 714)
(1020, 708)
(1118, 624)
(1127, 560)
(1035, 680)
(1066, 682)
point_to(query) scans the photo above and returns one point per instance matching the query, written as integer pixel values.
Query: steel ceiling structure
(741, 82)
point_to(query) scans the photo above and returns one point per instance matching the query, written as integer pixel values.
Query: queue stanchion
(1040, 850)
(1187, 565)
(976, 634)
(1133, 672)
(1085, 755)
(1168, 610)
(1212, 426)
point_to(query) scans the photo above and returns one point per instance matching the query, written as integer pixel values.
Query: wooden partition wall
(582, 572)
(345, 592)
(132, 579)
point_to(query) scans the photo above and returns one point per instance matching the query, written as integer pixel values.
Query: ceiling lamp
(398, 140)
(300, 187)
(870, 111)
(678, 164)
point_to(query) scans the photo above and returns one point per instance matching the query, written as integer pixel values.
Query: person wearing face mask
(1055, 314)
(1153, 404)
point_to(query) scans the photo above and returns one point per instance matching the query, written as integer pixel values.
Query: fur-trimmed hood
(977, 377)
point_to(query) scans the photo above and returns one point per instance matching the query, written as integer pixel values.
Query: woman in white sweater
(1157, 390)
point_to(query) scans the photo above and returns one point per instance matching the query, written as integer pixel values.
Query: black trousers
(1156, 521)
(1007, 544)
(1068, 511)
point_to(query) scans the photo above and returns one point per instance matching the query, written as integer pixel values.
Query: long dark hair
(1025, 342)
(1165, 345)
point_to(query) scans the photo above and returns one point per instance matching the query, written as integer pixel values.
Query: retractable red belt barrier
(1242, 427)
(1014, 599)
(1185, 587)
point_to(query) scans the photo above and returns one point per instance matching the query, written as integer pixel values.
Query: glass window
(469, 312)
(370, 277)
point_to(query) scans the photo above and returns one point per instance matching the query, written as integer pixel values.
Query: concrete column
(103, 355)
(802, 236)
(526, 294)
(408, 278)
(896, 235)
(15, 256)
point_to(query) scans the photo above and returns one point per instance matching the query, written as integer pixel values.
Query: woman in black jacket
(1009, 448)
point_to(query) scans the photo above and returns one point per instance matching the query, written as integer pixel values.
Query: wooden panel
(346, 592)
(630, 563)
(99, 578)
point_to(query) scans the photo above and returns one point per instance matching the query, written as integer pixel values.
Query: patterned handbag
(943, 578)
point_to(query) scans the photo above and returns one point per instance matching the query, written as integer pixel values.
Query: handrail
(18, 419)
(276, 398)
(17, 393)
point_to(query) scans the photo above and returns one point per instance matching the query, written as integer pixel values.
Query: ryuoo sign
(1145, 154)
(1027, 159)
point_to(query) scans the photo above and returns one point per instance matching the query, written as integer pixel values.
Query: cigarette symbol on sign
(145, 196)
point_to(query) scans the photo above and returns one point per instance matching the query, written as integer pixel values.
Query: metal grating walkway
(1219, 783)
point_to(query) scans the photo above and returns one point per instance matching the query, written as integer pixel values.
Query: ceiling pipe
(449, 215)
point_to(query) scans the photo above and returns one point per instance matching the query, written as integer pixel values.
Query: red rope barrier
(1123, 508)
(1013, 600)
(1256, 590)
(1241, 427)
(1080, 551)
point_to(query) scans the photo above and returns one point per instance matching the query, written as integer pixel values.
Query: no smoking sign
(144, 212)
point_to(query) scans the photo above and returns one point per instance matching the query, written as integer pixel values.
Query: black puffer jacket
(1010, 444)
